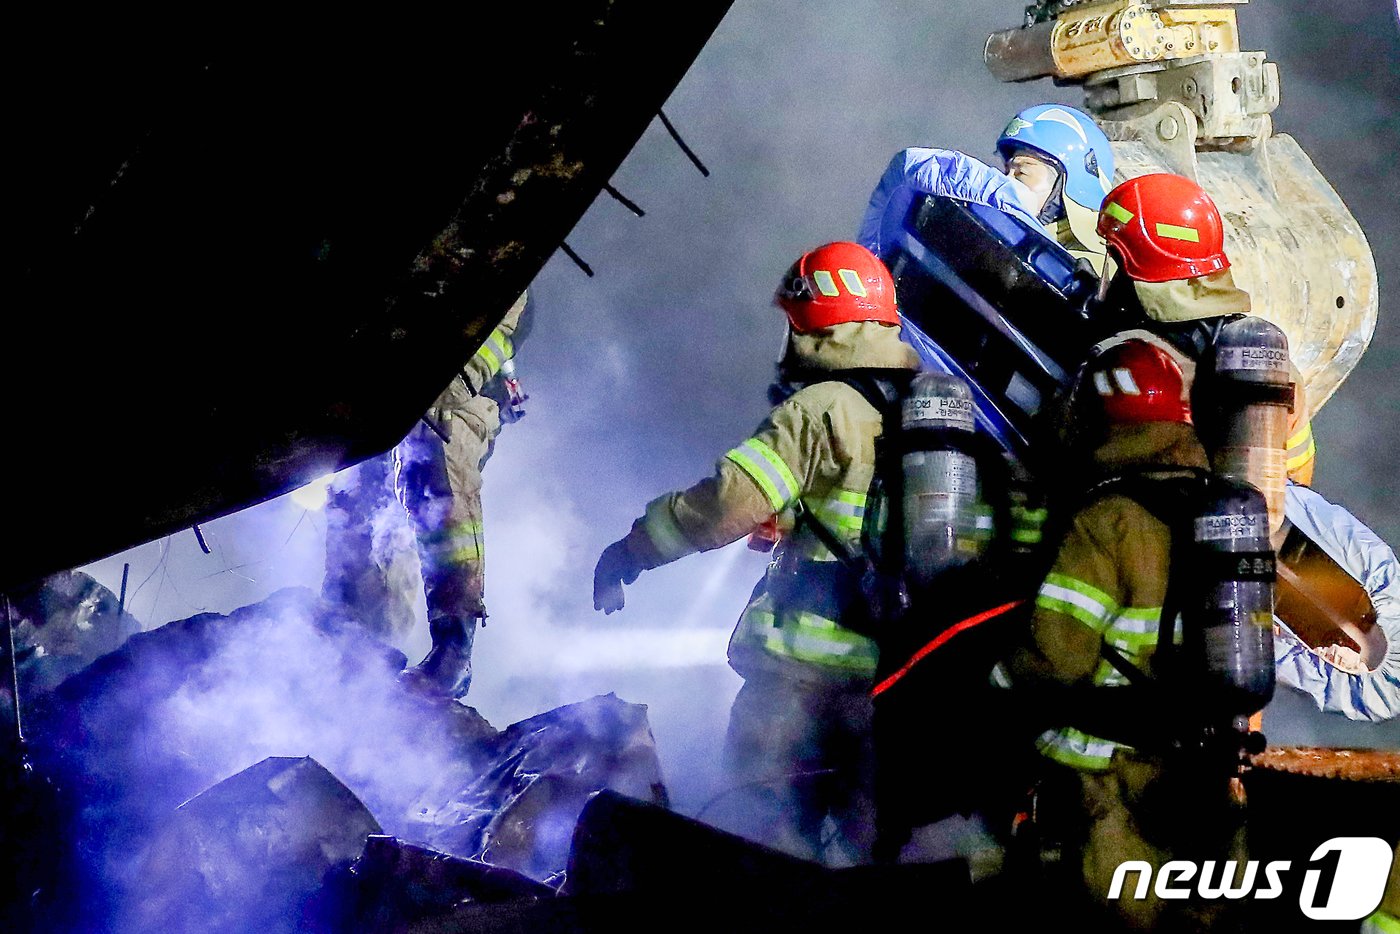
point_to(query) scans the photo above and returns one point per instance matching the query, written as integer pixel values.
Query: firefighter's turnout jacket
(439, 482)
(1106, 585)
(1114, 803)
(816, 453)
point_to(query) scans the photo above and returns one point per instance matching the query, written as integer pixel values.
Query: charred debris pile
(265, 770)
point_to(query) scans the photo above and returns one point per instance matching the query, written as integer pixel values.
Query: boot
(447, 668)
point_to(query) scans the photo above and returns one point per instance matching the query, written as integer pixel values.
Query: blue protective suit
(915, 172)
(1376, 694)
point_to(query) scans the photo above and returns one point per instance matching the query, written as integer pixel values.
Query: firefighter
(437, 477)
(1058, 164)
(798, 746)
(1167, 267)
(1106, 588)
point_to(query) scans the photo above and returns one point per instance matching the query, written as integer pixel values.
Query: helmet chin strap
(1110, 269)
(1054, 207)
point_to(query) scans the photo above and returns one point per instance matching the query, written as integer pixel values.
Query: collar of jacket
(1192, 299)
(1153, 444)
(856, 344)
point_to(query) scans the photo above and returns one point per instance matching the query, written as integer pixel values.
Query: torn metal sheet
(249, 854)
(395, 884)
(521, 810)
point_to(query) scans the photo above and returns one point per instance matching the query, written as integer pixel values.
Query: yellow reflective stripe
(766, 469)
(666, 537)
(1293, 463)
(1137, 619)
(825, 283)
(844, 516)
(1303, 434)
(1026, 516)
(497, 349)
(807, 637)
(1116, 211)
(1079, 586)
(1134, 643)
(1064, 594)
(852, 280)
(1382, 922)
(1026, 524)
(1058, 604)
(1174, 232)
(467, 554)
(456, 544)
(1077, 749)
(1107, 676)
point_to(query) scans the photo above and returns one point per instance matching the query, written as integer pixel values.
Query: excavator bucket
(1293, 245)
(1171, 88)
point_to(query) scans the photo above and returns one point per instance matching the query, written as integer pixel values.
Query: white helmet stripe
(1124, 378)
(1059, 116)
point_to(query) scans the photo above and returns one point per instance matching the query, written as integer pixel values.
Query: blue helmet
(1070, 138)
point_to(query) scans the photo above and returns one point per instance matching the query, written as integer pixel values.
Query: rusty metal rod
(578, 260)
(625, 201)
(121, 600)
(681, 143)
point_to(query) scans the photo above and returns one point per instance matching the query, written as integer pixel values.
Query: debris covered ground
(223, 772)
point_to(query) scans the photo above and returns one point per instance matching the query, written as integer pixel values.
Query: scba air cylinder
(945, 524)
(1254, 395)
(1228, 615)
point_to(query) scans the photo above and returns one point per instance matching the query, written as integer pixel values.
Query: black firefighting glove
(616, 567)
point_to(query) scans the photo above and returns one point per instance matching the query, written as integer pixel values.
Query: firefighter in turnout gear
(1102, 600)
(798, 748)
(1166, 246)
(437, 477)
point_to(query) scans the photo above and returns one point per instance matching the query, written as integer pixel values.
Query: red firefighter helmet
(1136, 382)
(1163, 227)
(834, 284)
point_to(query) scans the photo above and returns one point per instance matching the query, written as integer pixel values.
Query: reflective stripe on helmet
(1119, 213)
(1174, 232)
(767, 469)
(851, 279)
